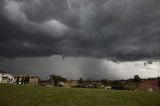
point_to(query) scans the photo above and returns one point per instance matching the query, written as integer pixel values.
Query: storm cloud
(124, 30)
(74, 68)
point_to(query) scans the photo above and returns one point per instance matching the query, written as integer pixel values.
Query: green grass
(16, 95)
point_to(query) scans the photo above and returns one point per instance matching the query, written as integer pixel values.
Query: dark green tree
(56, 79)
(136, 79)
(63, 79)
(80, 81)
(27, 79)
(105, 82)
(88, 82)
(22, 80)
(17, 81)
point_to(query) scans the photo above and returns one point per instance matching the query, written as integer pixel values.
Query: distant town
(133, 84)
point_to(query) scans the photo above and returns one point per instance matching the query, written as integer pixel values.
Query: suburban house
(6, 77)
(27, 79)
(149, 85)
(34, 80)
(71, 83)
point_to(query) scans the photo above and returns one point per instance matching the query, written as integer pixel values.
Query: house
(23, 79)
(72, 83)
(34, 80)
(6, 77)
(149, 85)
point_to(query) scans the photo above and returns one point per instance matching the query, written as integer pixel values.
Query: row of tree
(116, 83)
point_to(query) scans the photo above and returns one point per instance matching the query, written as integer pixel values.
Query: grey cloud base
(124, 30)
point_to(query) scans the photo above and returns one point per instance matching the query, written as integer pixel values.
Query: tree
(17, 81)
(56, 79)
(22, 80)
(136, 79)
(105, 82)
(63, 79)
(116, 82)
(27, 79)
(88, 81)
(80, 81)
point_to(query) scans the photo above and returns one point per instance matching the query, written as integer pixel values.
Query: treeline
(129, 84)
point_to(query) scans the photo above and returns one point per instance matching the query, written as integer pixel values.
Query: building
(34, 80)
(23, 79)
(71, 83)
(149, 85)
(6, 77)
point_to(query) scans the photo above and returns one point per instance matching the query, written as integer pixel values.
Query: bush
(131, 88)
(118, 87)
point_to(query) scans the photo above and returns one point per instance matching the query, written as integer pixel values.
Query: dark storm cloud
(114, 29)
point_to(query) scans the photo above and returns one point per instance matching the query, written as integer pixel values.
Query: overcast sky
(95, 39)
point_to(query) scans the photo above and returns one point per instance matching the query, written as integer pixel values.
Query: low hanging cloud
(124, 30)
(74, 68)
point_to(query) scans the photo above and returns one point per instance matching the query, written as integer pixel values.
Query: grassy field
(15, 95)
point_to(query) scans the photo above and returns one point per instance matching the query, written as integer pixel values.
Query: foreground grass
(14, 95)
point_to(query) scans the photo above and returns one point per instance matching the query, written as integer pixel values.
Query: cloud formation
(74, 68)
(124, 30)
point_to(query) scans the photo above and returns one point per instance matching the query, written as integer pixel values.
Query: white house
(6, 77)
